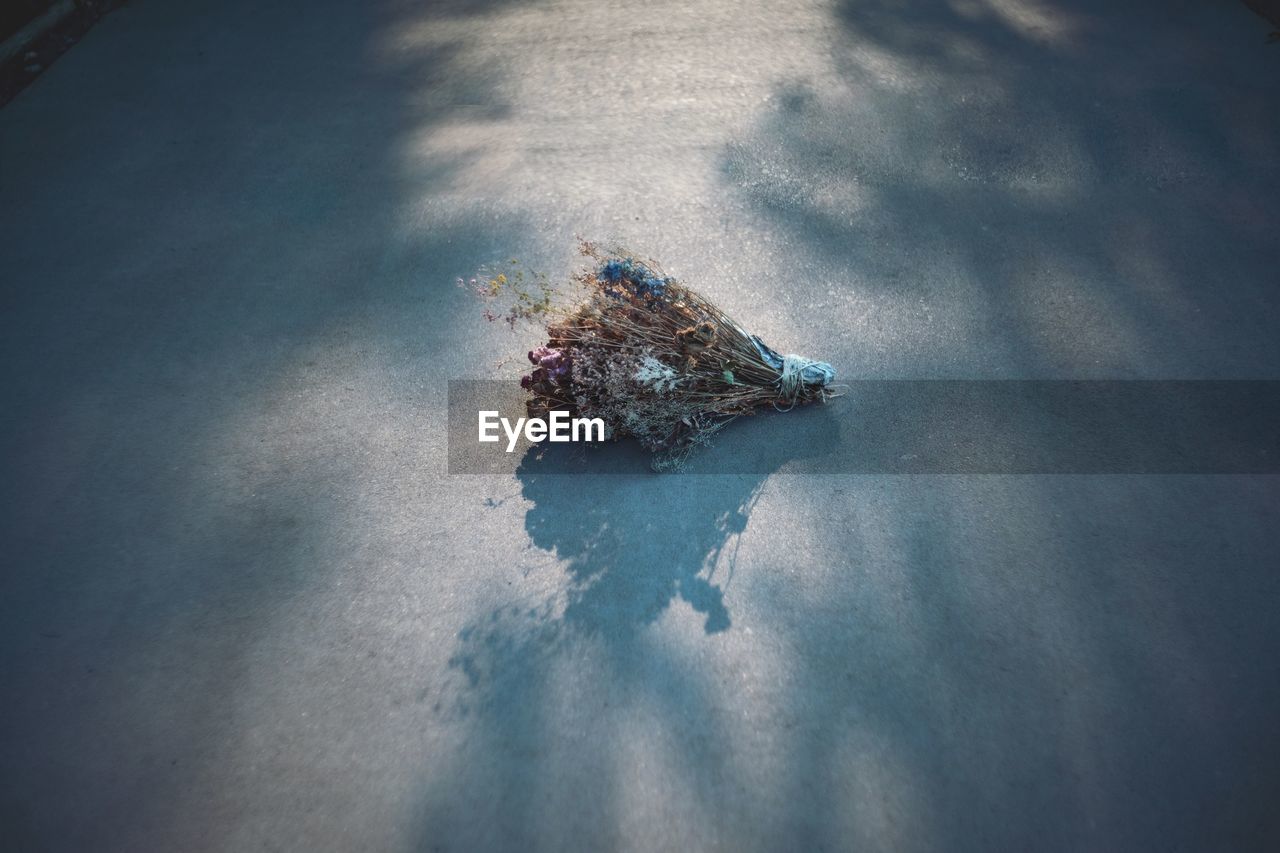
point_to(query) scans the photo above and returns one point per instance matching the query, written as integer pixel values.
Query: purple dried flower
(554, 361)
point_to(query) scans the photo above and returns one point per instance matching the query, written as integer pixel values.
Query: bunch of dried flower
(652, 358)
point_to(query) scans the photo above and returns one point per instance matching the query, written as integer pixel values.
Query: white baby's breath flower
(655, 375)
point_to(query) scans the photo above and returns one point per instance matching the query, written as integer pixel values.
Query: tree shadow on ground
(1026, 190)
(206, 362)
(620, 552)
(1029, 190)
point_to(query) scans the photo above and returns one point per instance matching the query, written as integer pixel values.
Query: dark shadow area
(19, 13)
(219, 302)
(1078, 666)
(48, 38)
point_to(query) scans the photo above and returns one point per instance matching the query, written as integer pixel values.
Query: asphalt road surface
(244, 607)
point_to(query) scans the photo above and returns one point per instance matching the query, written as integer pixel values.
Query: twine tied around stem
(797, 372)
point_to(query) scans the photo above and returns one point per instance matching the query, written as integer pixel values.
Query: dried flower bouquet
(649, 356)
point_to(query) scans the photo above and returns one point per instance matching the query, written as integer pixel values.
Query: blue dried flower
(614, 271)
(633, 275)
(652, 286)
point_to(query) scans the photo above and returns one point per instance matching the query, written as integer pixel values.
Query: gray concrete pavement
(243, 607)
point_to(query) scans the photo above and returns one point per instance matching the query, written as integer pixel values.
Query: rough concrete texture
(243, 607)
